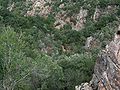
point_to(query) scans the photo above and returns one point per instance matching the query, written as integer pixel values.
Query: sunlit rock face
(39, 7)
(107, 69)
(76, 21)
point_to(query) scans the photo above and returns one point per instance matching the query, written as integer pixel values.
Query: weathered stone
(39, 7)
(96, 14)
(81, 19)
(88, 42)
(83, 86)
(91, 42)
(107, 69)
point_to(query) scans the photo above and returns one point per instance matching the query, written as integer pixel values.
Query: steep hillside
(53, 44)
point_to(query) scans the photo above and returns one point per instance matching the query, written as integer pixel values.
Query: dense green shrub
(77, 69)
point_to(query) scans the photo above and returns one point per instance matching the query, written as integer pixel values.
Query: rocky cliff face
(107, 69)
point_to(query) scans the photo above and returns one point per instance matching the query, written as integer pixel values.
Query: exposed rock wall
(107, 69)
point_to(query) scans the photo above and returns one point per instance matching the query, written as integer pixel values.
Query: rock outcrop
(76, 21)
(107, 69)
(84, 86)
(45, 7)
(39, 7)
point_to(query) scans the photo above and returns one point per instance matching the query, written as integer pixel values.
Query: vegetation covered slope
(34, 55)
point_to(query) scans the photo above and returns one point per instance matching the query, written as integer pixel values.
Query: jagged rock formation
(88, 42)
(76, 21)
(39, 7)
(81, 19)
(107, 69)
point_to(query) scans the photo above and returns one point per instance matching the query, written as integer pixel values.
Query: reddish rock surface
(107, 68)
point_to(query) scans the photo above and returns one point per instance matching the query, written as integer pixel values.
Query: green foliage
(49, 73)
(15, 65)
(104, 20)
(36, 56)
(77, 69)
